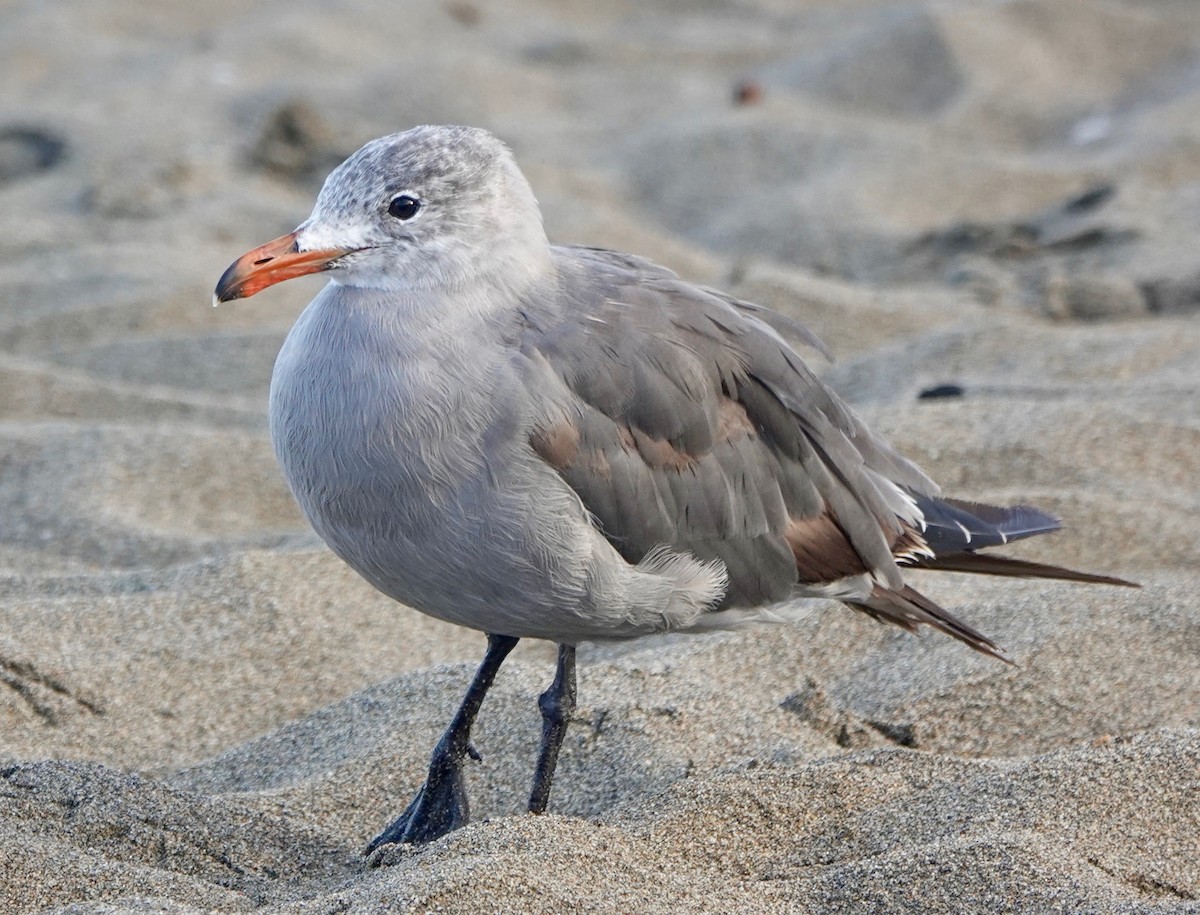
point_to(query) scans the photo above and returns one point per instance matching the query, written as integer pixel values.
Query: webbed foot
(440, 806)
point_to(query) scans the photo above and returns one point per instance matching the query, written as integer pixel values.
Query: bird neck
(417, 319)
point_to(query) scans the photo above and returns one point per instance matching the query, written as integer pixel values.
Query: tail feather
(909, 608)
(985, 564)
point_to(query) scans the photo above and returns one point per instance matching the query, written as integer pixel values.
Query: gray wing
(684, 418)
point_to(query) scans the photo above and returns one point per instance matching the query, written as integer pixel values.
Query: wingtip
(908, 608)
(979, 641)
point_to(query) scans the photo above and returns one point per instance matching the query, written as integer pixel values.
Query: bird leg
(441, 805)
(557, 703)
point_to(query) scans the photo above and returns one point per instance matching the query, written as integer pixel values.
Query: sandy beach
(202, 710)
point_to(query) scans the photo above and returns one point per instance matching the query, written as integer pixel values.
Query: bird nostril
(263, 260)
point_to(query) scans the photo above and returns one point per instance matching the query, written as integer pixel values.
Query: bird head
(429, 208)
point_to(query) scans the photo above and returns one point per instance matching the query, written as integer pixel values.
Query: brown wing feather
(909, 608)
(985, 564)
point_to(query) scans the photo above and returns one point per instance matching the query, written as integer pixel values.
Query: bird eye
(404, 207)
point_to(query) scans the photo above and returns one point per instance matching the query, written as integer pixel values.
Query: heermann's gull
(569, 443)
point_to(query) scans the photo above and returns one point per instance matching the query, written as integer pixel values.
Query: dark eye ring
(404, 207)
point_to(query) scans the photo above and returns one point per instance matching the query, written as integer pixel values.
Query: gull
(570, 443)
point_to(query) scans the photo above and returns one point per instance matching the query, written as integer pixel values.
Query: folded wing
(683, 418)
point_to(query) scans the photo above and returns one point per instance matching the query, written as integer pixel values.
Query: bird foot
(440, 807)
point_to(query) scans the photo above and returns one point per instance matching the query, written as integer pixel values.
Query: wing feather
(686, 423)
(695, 425)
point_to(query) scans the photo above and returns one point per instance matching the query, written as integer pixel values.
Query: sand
(202, 710)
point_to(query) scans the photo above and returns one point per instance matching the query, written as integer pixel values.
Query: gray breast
(405, 450)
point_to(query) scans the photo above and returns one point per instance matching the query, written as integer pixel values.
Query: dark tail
(955, 530)
(953, 525)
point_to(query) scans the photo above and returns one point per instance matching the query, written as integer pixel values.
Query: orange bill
(269, 264)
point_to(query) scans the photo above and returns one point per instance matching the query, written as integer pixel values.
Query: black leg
(557, 703)
(441, 804)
